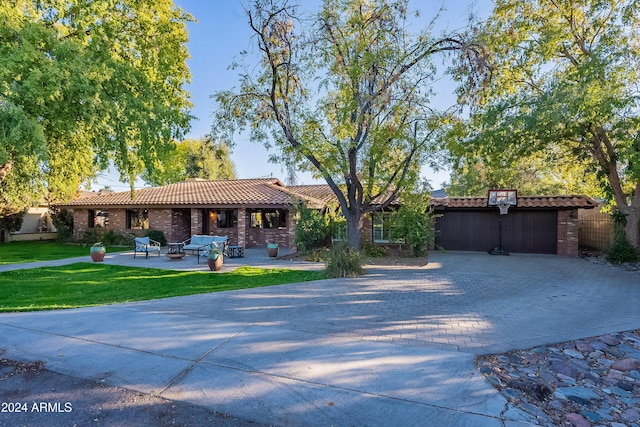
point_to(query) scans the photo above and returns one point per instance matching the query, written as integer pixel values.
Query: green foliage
(347, 98)
(563, 83)
(373, 251)
(343, 261)
(157, 235)
(83, 84)
(193, 158)
(63, 221)
(91, 284)
(12, 222)
(312, 229)
(110, 237)
(413, 222)
(91, 236)
(621, 251)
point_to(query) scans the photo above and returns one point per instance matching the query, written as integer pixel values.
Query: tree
(83, 84)
(564, 77)
(473, 174)
(346, 94)
(193, 158)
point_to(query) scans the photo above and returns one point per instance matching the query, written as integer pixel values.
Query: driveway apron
(394, 347)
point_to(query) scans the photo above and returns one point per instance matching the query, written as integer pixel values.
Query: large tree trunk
(632, 228)
(354, 226)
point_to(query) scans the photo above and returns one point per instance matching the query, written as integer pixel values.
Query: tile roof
(553, 202)
(197, 192)
(272, 192)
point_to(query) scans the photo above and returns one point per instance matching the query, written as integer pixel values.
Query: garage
(541, 225)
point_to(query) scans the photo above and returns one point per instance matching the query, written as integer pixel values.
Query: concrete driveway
(393, 347)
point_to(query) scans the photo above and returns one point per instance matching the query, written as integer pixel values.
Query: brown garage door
(526, 231)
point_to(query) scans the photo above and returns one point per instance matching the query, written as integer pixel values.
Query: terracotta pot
(215, 264)
(272, 252)
(97, 254)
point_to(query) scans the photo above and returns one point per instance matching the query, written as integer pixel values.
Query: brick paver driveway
(465, 301)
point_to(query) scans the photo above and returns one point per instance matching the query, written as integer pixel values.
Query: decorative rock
(577, 420)
(592, 416)
(620, 392)
(584, 347)
(609, 340)
(581, 392)
(573, 353)
(626, 364)
(563, 368)
(595, 381)
(631, 414)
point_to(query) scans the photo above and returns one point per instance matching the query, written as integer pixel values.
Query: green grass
(21, 252)
(88, 284)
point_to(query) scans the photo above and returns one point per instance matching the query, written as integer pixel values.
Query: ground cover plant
(90, 284)
(20, 252)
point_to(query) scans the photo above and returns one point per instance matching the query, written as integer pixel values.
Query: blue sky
(217, 38)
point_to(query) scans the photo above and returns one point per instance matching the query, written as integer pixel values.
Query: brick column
(568, 233)
(242, 227)
(196, 221)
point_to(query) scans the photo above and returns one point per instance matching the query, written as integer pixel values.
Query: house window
(381, 227)
(138, 219)
(98, 218)
(227, 218)
(268, 218)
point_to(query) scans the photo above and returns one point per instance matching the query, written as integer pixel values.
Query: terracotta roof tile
(197, 192)
(555, 202)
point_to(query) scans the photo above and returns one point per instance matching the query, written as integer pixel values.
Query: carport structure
(538, 224)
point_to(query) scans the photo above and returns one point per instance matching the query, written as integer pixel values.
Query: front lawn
(20, 252)
(88, 284)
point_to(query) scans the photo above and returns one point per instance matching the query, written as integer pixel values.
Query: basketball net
(504, 207)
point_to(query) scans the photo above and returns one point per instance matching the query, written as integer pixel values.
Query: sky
(222, 32)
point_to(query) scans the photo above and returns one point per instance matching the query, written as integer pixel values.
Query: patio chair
(146, 245)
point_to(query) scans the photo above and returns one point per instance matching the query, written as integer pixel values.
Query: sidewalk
(394, 347)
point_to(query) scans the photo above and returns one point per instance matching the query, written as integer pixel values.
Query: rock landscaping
(590, 382)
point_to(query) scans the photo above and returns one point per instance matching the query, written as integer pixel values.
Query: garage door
(526, 231)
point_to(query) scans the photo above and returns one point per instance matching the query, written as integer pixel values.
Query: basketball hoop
(504, 207)
(503, 199)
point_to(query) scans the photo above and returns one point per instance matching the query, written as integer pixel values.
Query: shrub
(63, 221)
(374, 251)
(413, 222)
(90, 236)
(621, 250)
(343, 261)
(312, 230)
(112, 238)
(157, 235)
(12, 222)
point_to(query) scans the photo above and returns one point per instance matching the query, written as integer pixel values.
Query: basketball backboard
(498, 197)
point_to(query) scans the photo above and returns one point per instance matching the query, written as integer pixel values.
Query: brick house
(249, 212)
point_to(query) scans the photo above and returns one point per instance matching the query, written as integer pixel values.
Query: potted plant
(272, 249)
(215, 259)
(97, 252)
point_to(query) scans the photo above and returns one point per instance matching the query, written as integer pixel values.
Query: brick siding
(568, 233)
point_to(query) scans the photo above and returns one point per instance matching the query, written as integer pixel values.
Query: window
(224, 218)
(138, 219)
(268, 218)
(98, 218)
(381, 227)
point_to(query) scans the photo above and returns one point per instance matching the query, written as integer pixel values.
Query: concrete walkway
(394, 347)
